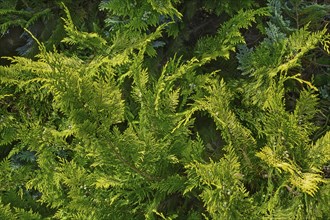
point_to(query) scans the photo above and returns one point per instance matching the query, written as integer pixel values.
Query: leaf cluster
(95, 133)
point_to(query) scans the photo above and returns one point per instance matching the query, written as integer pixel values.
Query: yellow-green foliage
(101, 137)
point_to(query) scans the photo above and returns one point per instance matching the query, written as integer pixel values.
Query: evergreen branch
(134, 168)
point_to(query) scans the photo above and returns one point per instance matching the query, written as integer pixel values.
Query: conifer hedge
(165, 109)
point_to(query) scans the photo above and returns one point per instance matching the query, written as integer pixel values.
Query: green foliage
(139, 15)
(223, 192)
(228, 35)
(229, 7)
(98, 132)
(43, 19)
(289, 17)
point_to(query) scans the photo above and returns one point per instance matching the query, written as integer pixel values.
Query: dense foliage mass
(164, 109)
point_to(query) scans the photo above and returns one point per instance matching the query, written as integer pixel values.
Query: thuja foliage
(94, 133)
(289, 16)
(43, 19)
